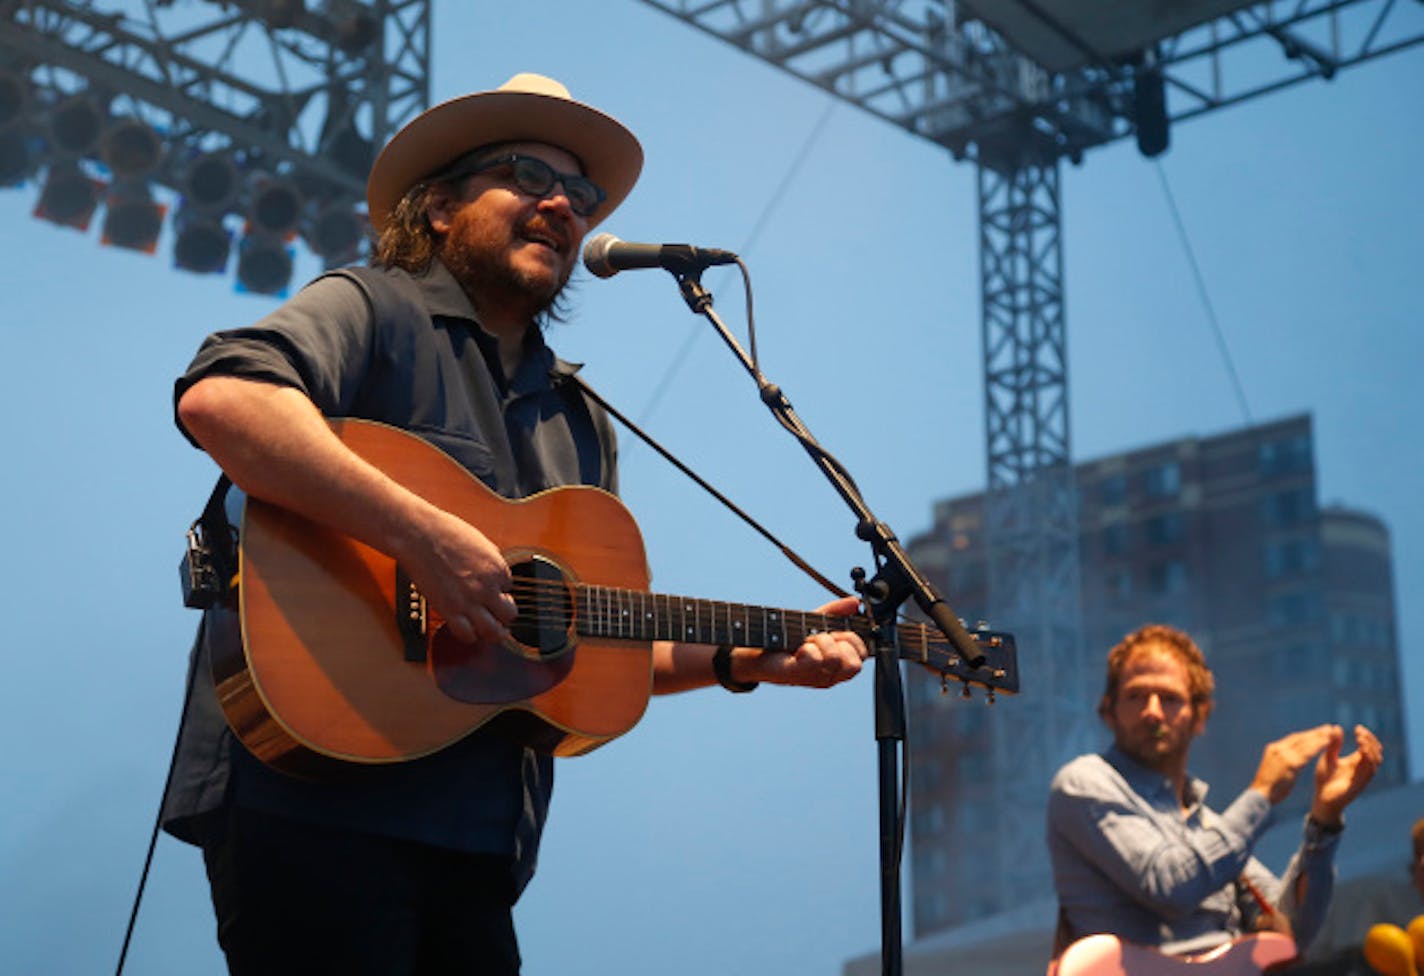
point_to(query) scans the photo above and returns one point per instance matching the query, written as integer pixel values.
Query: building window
(929, 822)
(1290, 455)
(1112, 490)
(967, 721)
(1294, 608)
(1291, 557)
(972, 766)
(1167, 577)
(1117, 584)
(967, 576)
(1303, 709)
(976, 818)
(1285, 509)
(1359, 631)
(1116, 538)
(1165, 529)
(1299, 663)
(1163, 481)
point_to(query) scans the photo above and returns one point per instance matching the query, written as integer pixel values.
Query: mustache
(539, 224)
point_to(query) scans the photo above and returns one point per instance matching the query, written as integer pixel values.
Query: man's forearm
(275, 445)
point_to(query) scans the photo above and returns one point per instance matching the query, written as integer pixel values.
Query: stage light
(274, 206)
(17, 157)
(210, 183)
(69, 196)
(1149, 108)
(351, 26)
(132, 218)
(264, 265)
(351, 151)
(200, 243)
(334, 233)
(131, 149)
(281, 13)
(75, 125)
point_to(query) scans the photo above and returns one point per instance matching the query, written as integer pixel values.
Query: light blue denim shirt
(1128, 861)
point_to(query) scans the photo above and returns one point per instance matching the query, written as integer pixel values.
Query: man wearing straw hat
(479, 207)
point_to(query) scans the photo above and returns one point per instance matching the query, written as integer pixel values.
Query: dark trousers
(293, 897)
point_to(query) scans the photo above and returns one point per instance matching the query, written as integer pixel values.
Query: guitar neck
(609, 612)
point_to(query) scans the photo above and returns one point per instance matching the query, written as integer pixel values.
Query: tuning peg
(943, 683)
(964, 691)
(989, 697)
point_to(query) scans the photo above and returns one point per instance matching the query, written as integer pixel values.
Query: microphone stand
(896, 580)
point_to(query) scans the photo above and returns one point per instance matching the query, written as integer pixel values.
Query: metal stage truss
(261, 115)
(1016, 86)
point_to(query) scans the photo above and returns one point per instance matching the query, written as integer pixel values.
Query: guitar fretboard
(609, 612)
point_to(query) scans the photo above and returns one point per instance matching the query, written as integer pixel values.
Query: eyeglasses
(535, 177)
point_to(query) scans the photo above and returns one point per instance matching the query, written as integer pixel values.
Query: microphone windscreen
(1389, 951)
(595, 256)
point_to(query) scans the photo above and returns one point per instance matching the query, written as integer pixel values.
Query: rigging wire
(1204, 295)
(792, 171)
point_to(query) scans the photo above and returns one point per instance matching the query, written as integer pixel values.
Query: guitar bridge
(411, 618)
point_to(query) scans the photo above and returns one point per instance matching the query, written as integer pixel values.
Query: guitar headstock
(998, 672)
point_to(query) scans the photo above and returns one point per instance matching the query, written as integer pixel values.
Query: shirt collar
(444, 297)
(442, 293)
(1151, 784)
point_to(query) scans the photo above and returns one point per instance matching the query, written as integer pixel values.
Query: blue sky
(723, 834)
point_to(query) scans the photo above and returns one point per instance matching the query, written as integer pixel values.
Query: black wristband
(722, 668)
(1324, 828)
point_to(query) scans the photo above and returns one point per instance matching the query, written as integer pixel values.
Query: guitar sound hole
(545, 604)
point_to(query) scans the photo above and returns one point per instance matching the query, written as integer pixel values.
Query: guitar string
(553, 596)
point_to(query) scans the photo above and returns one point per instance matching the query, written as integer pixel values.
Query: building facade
(1225, 537)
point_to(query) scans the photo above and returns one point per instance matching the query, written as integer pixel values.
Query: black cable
(802, 155)
(702, 483)
(1204, 295)
(158, 818)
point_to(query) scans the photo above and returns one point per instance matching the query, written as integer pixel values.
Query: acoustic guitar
(1107, 955)
(341, 661)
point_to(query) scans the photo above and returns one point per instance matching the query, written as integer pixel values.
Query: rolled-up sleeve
(1309, 883)
(321, 343)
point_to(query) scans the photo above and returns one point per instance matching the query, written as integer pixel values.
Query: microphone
(606, 255)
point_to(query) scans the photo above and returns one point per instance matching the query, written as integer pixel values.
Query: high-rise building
(1291, 601)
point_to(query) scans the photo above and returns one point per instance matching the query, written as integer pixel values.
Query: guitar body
(340, 661)
(326, 673)
(1107, 955)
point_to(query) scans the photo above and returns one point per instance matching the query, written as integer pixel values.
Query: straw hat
(526, 108)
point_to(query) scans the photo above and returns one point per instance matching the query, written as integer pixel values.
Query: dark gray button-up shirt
(407, 351)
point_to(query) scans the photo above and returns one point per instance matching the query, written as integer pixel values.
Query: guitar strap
(668, 456)
(1062, 934)
(209, 565)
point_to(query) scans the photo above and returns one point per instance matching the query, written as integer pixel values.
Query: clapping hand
(1339, 779)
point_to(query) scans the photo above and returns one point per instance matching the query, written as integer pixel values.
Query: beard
(477, 253)
(1159, 749)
